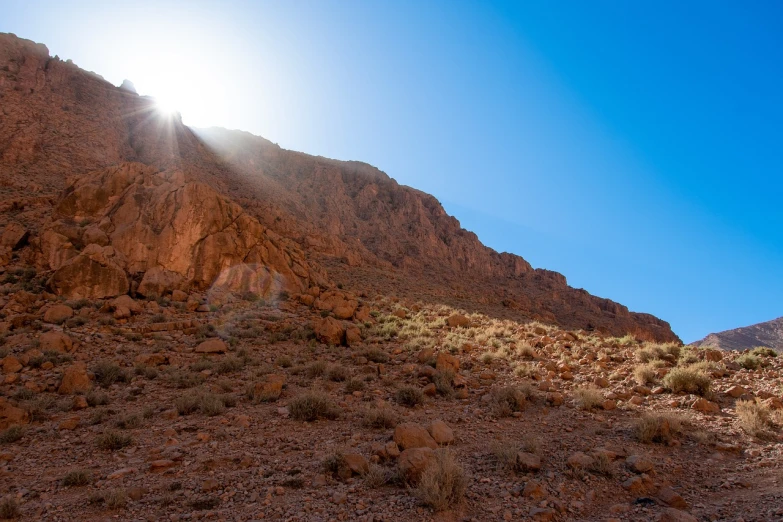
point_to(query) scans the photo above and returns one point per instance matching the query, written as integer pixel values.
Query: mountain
(768, 334)
(344, 219)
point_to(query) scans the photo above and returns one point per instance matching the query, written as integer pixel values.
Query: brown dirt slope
(58, 121)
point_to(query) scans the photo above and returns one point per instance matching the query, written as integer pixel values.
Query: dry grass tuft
(755, 418)
(409, 396)
(443, 483)
(9, 509)
(113, 441)
(657, 428)
(79, 477)
(507, 400)
(11, 434)
(646, 373)
(312, 405)
(748, 361)
(588, 398)
(687, 380)
(382, 417)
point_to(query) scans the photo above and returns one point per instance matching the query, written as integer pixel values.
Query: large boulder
(93, 274)
(167, 230)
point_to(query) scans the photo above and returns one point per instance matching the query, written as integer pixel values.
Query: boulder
(157, 281)
(675, 515)
(440, 432)
(212, 346)
(353, 335)
(639, 464)
(93, 274)
(412, 463)
(446, 362)
(579, 460)
(75, 380)
(527, 462)
(14, 236)
(270, 388)
(329, 330)
(458, 320)
(672, 498)
(58, 314)
(410, 435)
(703, 405)
(55, 341)
(11, 415)
(11, 364)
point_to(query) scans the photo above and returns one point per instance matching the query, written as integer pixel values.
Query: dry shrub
(409, 396)
(443, 382)
(601, 465)
(763, 351)
(748, 361)
(312, 405)
(379, 476)
(588, 398)
(754, 418)
(9, 509)
(657, 428)
(107, 373)
(112, 440)
(382, 417)
(79, 477)
(443, 483)
(12, 434)
(316, 369)
(337, 373)
(354, 385)
(505, 453)
(507, 400)
(646, 373)
(688, 380)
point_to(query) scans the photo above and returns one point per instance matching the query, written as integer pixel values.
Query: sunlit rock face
(106, 183)
(167, 232)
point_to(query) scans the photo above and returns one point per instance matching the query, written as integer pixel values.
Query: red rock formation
(60, 122)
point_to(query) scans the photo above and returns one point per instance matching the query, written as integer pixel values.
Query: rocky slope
(60, 122)
(768, 334)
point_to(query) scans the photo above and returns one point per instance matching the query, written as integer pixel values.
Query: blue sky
(636, 147)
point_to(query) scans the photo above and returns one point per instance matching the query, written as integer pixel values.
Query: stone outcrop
(167, 232)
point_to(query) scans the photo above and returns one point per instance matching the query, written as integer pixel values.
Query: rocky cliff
(768, 334)
(61, 128)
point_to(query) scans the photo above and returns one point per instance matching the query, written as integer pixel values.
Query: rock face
(151, 205)
(167, 232)
(769, 334)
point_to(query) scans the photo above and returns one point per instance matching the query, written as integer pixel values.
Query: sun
(166, 105)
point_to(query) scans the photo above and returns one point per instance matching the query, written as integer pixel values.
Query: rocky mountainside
(60, 123)
(200, 325)
(768, 334)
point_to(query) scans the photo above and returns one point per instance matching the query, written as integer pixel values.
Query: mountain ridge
(63, 122)
(767, 334)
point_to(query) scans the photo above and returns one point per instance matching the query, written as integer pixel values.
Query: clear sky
(636, 147)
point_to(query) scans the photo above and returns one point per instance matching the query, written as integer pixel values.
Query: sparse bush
(316, 369)
(443, 381)
(333, 462)
(379, 476)
(115, 498)
(382, 417)
(128, 422)
(748, 361)
(107, 373)
(687, 380)
(525, 370)
(646, 373)
(183, 379)
(313, 405)
(113, 441)
(9, 509)
(337, 373)
(588, 398)
(601, 465)
(409, 396)
(763, 351)
(376, 355)
(505, 453)
(505, 401)
(526, 351)
(97, 398)
(754, 418)
(660, 428)
(79, 477)
(209, 404)
(354, 385)
(230, 365)
(284, 361)
(11, 434)
(443, 483)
